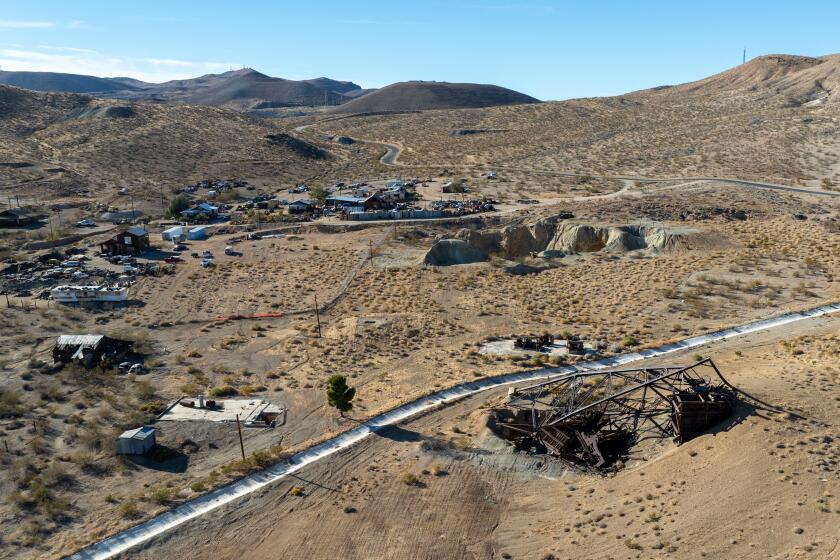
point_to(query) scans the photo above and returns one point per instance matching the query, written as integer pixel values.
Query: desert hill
(243, 89)
(773, 118)
(419, 96)
(336, 86)
(252, 91)
(104, 143)
(786, 79)
(60, 82)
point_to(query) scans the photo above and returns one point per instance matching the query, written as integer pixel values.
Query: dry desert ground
(615, 222)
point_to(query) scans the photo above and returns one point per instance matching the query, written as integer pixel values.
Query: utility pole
(744, 59)
(241, 445)
(317, 316)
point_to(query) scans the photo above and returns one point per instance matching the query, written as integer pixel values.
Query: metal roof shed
(137, 441)
(173, 233)
(197, 233)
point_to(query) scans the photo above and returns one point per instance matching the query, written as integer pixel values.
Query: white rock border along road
(161, 523)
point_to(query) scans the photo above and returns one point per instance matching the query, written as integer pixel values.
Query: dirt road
(254, 483)
(476, 501)
(392, 153)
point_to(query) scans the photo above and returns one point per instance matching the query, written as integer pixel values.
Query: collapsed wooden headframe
(588, 416)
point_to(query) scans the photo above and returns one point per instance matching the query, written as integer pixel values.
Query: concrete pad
(227, 410)
(507, 348)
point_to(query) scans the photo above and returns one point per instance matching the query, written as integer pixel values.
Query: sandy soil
(397, 329)
(764, 487)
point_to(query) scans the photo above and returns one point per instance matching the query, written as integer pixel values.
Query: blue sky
(551, 50)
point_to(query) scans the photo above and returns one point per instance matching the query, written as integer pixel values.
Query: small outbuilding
(88, 349)
(173, 234)
(197, 233)
(132, 240)
(354, 203)
(301, 206)
(137, 441)
(202, 209)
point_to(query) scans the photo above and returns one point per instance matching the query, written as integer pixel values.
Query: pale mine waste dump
(552, 237)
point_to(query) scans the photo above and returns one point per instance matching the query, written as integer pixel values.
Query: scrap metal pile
(533, 342)
(593, 418)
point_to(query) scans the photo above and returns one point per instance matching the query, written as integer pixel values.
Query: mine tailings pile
(591, 419)
(555, 237)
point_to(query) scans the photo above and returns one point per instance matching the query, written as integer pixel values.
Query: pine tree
(339, 395)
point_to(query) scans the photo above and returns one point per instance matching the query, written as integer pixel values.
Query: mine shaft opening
(593, 419)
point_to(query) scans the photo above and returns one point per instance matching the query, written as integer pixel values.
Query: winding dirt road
(392, 154)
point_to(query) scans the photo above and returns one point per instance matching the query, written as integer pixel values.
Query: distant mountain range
(251, 91)
(244, 89)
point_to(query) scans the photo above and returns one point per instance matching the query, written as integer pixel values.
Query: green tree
(177, 205)
(319, 194)
(339, 395)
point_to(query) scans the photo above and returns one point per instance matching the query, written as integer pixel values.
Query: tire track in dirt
(164, 522)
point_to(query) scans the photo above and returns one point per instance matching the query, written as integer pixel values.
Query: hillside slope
(243, 89)
(60, 82)
(421, 96)
(785, 79)
(773, 118)
(104, 144)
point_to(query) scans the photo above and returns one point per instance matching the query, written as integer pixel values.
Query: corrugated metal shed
(136, 441)
(197, 233)
(172, 233)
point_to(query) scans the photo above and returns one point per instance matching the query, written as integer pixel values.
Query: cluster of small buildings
(364, 198)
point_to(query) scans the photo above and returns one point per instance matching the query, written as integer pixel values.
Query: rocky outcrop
(447, 252)
(553, 237)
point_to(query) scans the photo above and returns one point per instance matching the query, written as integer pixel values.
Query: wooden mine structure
(592, 418)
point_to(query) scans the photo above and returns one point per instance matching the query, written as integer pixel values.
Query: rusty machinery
(592, 418)
(533, 342)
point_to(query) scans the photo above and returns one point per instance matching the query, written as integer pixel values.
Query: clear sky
(548, 49)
